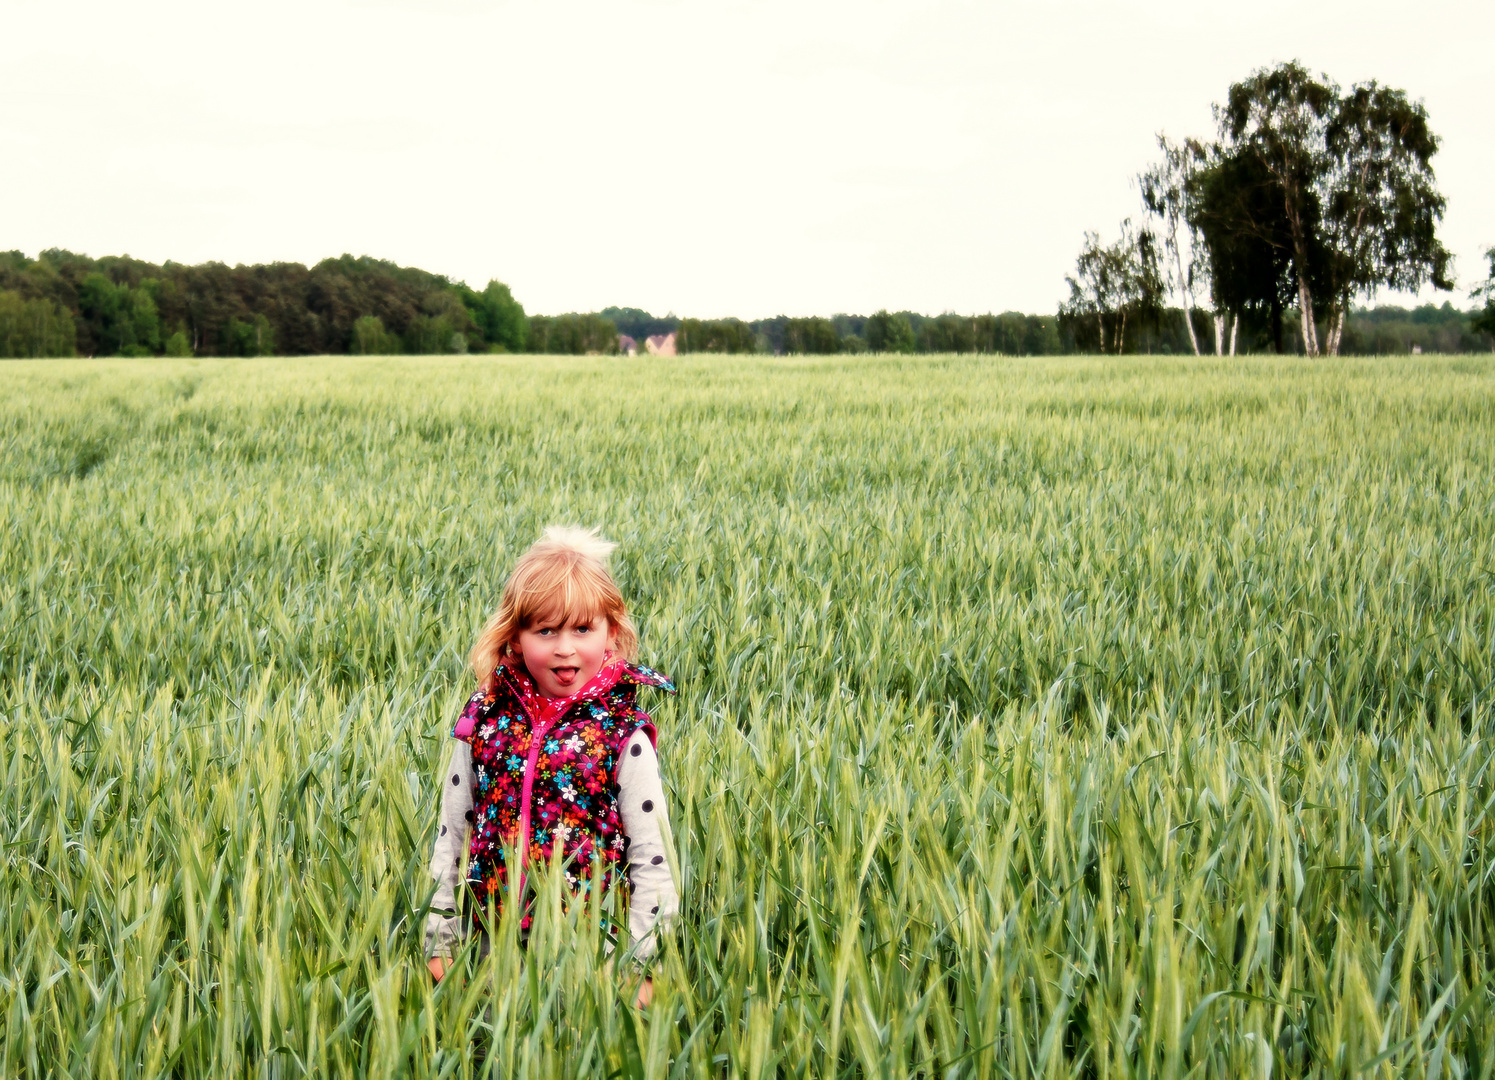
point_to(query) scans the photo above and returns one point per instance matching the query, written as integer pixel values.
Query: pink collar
(543, 711)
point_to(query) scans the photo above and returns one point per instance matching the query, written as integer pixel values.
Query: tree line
(1169, 330)
(61, 304)
(1012, 333)
(1309, 199)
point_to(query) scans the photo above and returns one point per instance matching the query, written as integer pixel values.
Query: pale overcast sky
(704, 158)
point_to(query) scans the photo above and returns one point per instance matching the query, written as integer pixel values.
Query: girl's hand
(645, 994)
(437, 967)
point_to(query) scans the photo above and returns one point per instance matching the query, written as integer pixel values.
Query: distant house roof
(660, 344)
(627, 346)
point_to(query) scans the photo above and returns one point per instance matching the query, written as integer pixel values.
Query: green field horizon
(1075, 716)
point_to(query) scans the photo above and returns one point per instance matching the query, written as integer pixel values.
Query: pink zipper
(537, 738)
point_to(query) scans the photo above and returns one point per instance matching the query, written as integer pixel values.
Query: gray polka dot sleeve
(444, 930)
(641, 803)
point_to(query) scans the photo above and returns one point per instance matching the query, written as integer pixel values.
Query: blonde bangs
(562, 578)
(564, 591)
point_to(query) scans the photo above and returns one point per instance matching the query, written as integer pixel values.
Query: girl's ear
(612, 636)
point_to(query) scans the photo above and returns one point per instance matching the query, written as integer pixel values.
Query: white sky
(704, 158)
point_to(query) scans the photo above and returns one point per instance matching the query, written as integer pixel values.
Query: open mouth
(565, 675)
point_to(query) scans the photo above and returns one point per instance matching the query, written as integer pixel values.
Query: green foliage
(1028, 335)
(1035, 716)
(121, 304)
(370, 338)
(715, 336)
(948, 333)
(848, 326)
(812, 335)
(572, 335)
(428, 334)
(888, 333)
(1381, 201)
(959, 333)
(120, 320)
(255, 337)
(639, 324)
(1236, 209)
(1011, 333)
(498, 315)
(443, 316)
(34, 328)
(1312, 196)
(1114, 284)
(177, 345)
(1166, 190)
(1484, 320)
(1389, 330)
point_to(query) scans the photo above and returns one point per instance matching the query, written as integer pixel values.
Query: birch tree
(1280, 117)
(1353, 176)
(1165, 193)
(1246, 244)
(1381, 201)
(1115, 283)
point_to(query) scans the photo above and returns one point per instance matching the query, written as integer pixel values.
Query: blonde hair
(563, 575)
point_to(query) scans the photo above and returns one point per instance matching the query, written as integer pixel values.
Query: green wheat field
(1037, 718)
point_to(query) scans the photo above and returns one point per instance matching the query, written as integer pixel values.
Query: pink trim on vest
(545, 711)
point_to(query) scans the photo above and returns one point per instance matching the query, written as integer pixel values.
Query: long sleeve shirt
(653, 898)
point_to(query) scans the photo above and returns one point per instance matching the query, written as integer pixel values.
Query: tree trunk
(1235, 326)
(1300, 259)
(1305, 312)
(1188, 308)
(1351, 243)
(1219, 334)
(1100, 321)
(1336, 331)
(1121, 332)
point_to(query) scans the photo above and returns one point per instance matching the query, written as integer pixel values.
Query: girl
(553, 750)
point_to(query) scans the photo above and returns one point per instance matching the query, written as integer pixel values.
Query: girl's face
(562, 656)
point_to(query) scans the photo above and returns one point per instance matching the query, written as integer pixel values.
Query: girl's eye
(582, 629)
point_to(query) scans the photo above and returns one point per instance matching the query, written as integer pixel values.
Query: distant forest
(65, 304)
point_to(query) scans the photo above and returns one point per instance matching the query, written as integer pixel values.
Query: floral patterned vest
(553, 780)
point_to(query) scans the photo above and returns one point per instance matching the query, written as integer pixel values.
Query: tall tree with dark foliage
(1352, 173)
